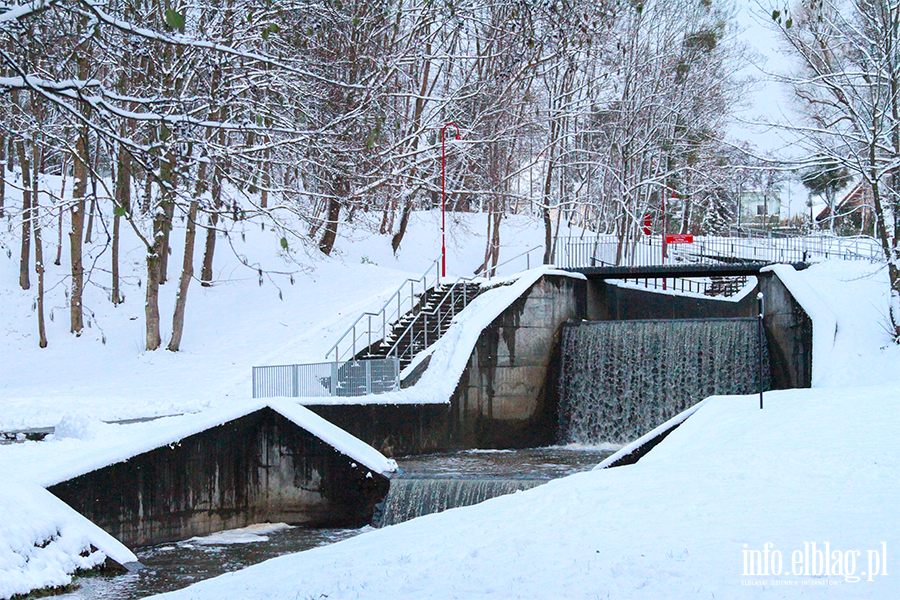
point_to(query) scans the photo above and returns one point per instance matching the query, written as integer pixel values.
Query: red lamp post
(444, 198)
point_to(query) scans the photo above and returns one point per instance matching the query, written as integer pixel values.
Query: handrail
(506, 262)
(450, 294)
(385, 321)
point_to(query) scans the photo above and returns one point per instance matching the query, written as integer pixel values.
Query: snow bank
(813, 467)
(43, 541)
(823, 318)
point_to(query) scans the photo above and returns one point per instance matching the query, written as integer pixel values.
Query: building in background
(854, 212)
(759, 208)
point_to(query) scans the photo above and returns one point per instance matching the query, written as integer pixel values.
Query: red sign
(647, 224)
(680, 239)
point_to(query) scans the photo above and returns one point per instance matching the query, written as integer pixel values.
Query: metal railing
(607, 250)
(725, 287)
(328, 379)
(434, 318)
(372, 327)
(492, 271)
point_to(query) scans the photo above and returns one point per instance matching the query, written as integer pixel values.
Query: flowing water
(620, 379)
(434, 483)
(169, 567)
(426, 484)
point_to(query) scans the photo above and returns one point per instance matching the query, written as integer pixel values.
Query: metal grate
(317, 380)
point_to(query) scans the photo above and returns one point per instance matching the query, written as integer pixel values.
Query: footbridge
(371, 355)
(686, 256)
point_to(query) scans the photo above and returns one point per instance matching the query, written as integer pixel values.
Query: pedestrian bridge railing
(607, 250)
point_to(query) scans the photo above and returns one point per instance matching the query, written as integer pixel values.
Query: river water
(425, 484)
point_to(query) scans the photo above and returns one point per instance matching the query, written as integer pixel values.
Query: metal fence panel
(317, 380)
(607, 250)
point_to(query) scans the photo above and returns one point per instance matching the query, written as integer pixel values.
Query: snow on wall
(43, 541)
(60, 459)
(450, 354)
(823, 319)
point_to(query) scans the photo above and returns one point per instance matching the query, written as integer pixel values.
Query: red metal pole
(664, 228)
(444, 198)
(664, 234)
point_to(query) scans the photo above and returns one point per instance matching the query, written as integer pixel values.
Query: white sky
(767, 101)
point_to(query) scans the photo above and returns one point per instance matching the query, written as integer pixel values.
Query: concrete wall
(609, 302)
(789, 334)
(501, 400)
(393, 429)
(261, 467)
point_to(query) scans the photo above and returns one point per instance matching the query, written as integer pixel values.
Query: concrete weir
(258, 467)
(502, 399)
(508, 394)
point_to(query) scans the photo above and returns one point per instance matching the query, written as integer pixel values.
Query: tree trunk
(495, 242)
(62, 196)
(167, 204)
(122, 206)
(187, 273)
(25, 256)
(2, 174)
(151, 307)
(76, 232)
(38, 250)
(206, 273)
(88, 232)
(326, 244)
(545, 212)
(404, 222)
(266, 180)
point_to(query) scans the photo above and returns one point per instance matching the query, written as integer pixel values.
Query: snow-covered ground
(230, 327)
(736, 503)
(816, 466)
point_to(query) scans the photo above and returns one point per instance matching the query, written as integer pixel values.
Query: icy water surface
(173, 566)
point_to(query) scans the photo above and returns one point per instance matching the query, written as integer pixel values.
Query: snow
(63, 458)
(818, 466)
(825, 326)
(43, 541)
(815, 466)
(252, 534)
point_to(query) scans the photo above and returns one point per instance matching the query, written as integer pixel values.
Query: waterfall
(411, 498)
(620, 379)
